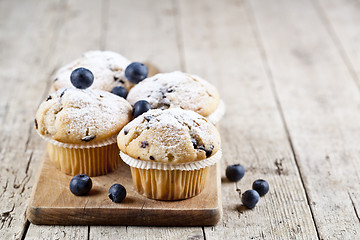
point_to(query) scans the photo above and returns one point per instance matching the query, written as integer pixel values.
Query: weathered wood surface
(253, 132)
(52, 203)
(319, 100)
(287, 70)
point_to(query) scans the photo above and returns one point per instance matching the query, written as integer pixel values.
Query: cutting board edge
(51, 215)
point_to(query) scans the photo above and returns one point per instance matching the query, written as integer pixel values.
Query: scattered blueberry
(117, 193)
(235, 172)
(136, 72)
(120, 91)
(80, 184)
(250, 198)
(140, 107)
(261, 186)
(82, 78)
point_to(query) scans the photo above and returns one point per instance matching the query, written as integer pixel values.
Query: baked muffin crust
(73, 115)
(176, 89)
(108, 69)
(173, 136)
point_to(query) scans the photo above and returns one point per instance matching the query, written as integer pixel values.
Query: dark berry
(88, 138)
(82, 78)
(120, 91)
(140, 107)
(80, 184)
(261, 186)
(117, 193)
(136, 72)
(144, 144)
(235, 172)
(250, 198)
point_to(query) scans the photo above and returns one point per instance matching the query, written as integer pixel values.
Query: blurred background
(288, 71)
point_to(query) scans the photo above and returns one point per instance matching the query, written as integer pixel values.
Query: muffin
(178, 89)
(108, 69)
(169, 152)
(80, 126)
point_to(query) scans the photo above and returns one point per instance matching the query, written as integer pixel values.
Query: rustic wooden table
(289, 72)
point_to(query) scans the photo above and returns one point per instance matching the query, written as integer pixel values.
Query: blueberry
(140, 107)
(250, 198)
(235, 172)
(261, 186)
(82, 78)
(80, 184)
(120, 91)
(136, 72)
(117, 193)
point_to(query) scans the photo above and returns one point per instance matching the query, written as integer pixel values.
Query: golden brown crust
(173, 135)
(78, 116)
(177, 89)
(108, 69)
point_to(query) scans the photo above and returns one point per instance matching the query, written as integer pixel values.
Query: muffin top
(176, 89)
(172, 136)
(73, 115)
(108, 69)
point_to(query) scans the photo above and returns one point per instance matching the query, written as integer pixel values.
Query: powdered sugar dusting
(172, 135)
(107, 67)
(176, 89)
(73, 115)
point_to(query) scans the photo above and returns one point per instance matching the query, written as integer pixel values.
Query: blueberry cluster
(259, 188)
(135, 73)
(81, 185)
(83, 78)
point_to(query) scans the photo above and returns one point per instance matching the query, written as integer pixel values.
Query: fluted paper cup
(92, 159)
(167, 181)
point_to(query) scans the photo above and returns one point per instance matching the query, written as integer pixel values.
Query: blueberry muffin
(108, 69)
(178, 89)
(80, 126)
(169, 152)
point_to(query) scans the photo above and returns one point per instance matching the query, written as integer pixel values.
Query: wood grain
(320, 104)
(36, 232)
(77, 30)
(26, 41)
(253, 132)
(144, 31)
(52, 203)
(342, 20)
(288, 71)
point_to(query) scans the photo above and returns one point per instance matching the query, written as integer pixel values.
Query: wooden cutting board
(52, 203)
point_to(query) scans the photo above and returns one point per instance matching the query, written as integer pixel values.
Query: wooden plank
(320, 103)
(221, 47)
(342, 21)
(76, 31)
(52, 203)
(36, 232)
(143, 31)
(28, 32)
(138, 233)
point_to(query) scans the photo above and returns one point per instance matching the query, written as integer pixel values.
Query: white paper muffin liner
(190, 166)
(219, 112)
(96, 144)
